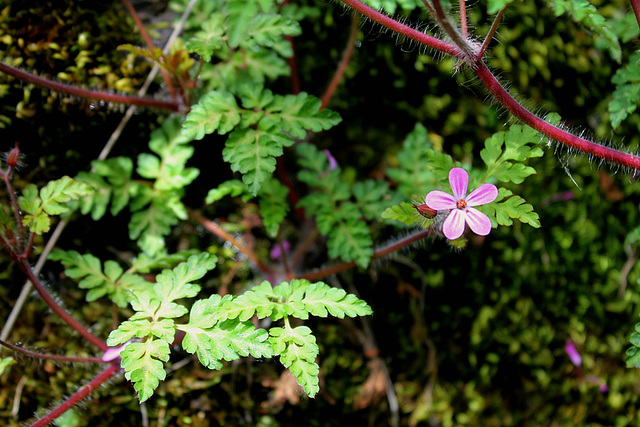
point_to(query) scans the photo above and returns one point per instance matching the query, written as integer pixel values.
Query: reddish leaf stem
(79, 395)
(337, 268)
(88, 94)
(405, 30)
(51, 356)
(344, 61)
(463, 18)
(527, 117)
(68, 319)
(150, 45)
(218, 231)
(500, 93)
(492, 31)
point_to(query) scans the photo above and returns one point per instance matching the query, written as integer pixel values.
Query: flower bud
(426, 211)
(13, 157)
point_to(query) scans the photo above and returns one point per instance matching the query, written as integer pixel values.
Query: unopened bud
(13, 157)
(426, 211)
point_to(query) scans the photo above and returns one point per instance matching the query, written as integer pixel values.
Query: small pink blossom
(113, 352)
(573, 354)
(461, 204)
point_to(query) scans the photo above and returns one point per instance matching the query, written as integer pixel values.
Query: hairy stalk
(89, 94)
(446, 25)
(51, 356)
(218, 231)
(66, 317)
(501, 94)
(463, 18)
(79, 395)
(527, 117)
(344, 61)
(14, 206)
(337, 268)
(405, 30)
(150, 45)
(492, 31)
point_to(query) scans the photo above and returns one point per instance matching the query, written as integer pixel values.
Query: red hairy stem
(51, 356)
(635, 4)
(337, 268)
(68, 319)
(79, 395)
(492, 31)
(88, 94)
(500, 93)
(463, 18)
(150, 45)
(527, 117)
(406, 31)
(344, 61)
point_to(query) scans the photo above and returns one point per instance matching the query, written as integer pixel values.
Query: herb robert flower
(461, 205)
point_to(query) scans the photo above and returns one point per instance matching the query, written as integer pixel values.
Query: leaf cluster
(259, 128)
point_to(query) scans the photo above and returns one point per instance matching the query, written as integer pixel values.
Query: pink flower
(573, 354)
(461, 205)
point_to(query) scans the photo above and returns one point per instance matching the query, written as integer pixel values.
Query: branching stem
(492, 31)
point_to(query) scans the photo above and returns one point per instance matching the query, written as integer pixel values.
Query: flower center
(462, 203)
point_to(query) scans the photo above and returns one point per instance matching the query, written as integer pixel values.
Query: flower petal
(482, 195)
(478, 222)
(453, 226)
(439, 200)
(459, 181)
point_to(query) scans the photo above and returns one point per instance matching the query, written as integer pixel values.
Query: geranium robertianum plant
(235, 85)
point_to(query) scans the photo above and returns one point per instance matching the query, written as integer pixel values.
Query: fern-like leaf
(298, 351)
(143, 365)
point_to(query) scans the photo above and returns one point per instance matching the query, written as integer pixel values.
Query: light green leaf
(300, 113)
(298, 351)
(143, 365)
(216, 111)
(507, 207)
(405, 213)
(273, 205)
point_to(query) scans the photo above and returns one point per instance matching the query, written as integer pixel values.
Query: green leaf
(210, 39)
(51, 201)
(150, 225)
(507, 207)
(216, 111)
(253, 152)
(405, 213)
(351, 241)
(129, 329)
(233, 187)
(175, 284)
(504, 152)
(5, 362)
(300, 113)
(411, 173)
(373, 196)
(110, 282)
(228, 340)
(627, 92)
(240, 14)
(273, 205)
(269, 29)
(495, 6)
(143, 365)
(260, 300)
(585, 13)
(320, 299)
(298, 351)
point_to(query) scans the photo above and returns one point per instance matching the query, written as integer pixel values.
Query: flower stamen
(462, 203)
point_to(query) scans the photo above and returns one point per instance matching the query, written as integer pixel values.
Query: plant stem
(68, 319)
(344, 61)
(337, 268)
(501, 94)
(150, 45)
(443, 20)
(89, 94)
(79, 395)
(51, 356)
(527, 117)
(15, 208)
(463, 18)
(492, 31)
(218, 231)
(406, 31)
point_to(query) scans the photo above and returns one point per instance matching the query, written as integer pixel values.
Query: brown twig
(218, 231)
(337, 268)
(344, 61)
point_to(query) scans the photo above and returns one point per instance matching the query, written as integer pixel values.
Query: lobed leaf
(273, 205)
(298, 351)
(215, 112)
(508, 207)
(143, 365)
